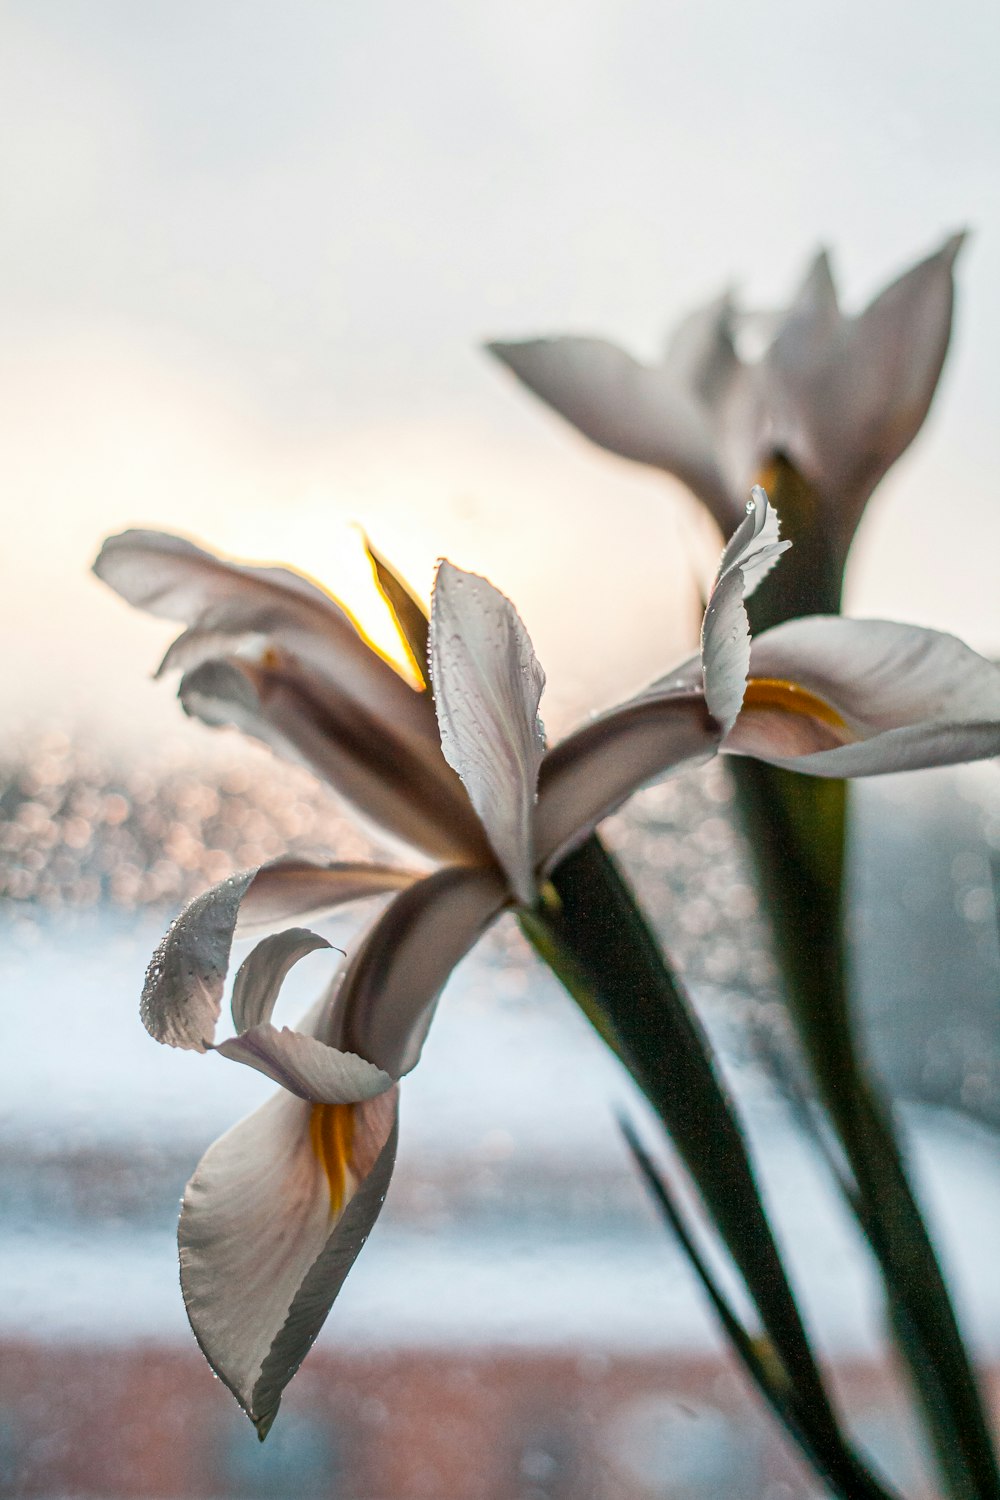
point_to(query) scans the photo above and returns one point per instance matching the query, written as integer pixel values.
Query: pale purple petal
(272, 1221)
(594, 770)
(642, 413)
(390, 991)
(812, 325)
(896, 351)
(487, 687)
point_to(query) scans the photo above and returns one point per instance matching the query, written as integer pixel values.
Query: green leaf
(754, 1352)
(594, 936)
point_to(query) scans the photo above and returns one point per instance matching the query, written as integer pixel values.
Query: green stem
(810, 578)
(796, 828)
(797, 835)
(596, 940)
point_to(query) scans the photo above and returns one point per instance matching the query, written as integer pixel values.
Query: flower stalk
(797, 829)
(599, 945)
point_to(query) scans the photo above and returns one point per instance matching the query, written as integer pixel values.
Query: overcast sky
(250, 250)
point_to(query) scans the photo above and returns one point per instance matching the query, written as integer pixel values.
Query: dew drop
(751, 506)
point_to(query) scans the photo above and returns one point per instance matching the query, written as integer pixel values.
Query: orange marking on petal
(773, 692)
(331, 1130)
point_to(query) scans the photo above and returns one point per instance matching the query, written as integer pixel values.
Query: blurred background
(249, 255)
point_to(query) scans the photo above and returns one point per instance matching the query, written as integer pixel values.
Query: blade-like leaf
(842, 1470)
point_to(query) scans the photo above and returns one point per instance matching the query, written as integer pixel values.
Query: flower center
(773, 692)
(331, 1130)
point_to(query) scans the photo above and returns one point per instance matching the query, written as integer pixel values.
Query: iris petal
(487, 686)
(272, 1221)
(886, 697)
(182, 993)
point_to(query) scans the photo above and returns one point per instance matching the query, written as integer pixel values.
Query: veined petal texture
(487, 687)
(306, 1066)
(301, 1061)
(260, 976)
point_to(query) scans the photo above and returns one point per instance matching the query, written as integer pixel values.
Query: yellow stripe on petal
(789, 698)
(331, 1130)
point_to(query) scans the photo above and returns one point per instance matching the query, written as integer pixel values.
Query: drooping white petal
(594, 770)
(643, 413)
(834, 697)
(686, 677)
(487, 687)
(272, 1221)
(390, 991)
(182, 993)
(403, 787)
(171, 577)
(725, 633)
(302, 1061)
(233, 606)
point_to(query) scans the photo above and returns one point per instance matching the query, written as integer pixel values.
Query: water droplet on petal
(751, 506)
